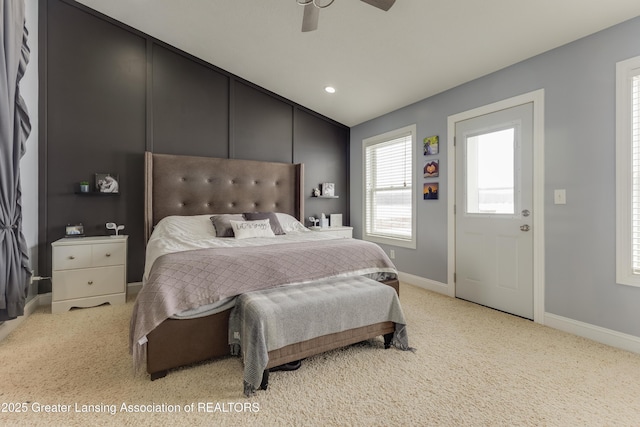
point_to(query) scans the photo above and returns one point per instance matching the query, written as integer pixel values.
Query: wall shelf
(95, 193)
(327, 197)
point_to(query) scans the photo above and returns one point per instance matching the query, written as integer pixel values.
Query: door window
(490, 183)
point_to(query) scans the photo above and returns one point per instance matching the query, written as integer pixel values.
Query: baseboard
(596, 333)
(45, 299)
(134, 287)
(592, 332)
(428, 284)
(11, 325)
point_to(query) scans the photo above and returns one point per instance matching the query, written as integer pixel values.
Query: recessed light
(330, 89)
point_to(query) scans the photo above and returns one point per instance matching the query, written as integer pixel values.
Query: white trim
(11, 325)
(44, 300)
(133, 288)
(421, 282)
(624, 170)
(592, 332)
(586, 330)
(537, 98)
(406, 243)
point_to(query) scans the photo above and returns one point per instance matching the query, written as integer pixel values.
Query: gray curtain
(15, 268)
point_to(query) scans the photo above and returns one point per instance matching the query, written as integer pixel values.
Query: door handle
(525, 227)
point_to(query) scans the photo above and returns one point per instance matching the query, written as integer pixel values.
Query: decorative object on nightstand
(335, 220)
(76, 230)
(113, 226)
(324, 221)
(89, 271)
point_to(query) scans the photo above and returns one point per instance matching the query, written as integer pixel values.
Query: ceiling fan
(312, 10)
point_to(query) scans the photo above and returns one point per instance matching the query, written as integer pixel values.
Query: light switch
(560, 197)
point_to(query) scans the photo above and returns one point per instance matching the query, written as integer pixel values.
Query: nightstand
(343, 231)
(89, 271)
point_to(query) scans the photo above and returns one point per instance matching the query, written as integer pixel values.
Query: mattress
(182, 233)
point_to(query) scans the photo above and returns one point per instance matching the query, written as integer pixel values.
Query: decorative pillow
(223, 226)
(289, 223)
(249, 229)
(273, 220)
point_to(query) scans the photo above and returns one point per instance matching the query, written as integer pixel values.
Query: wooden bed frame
(188, 185)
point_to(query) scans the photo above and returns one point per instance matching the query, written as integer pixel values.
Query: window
(389, 191)
(628, 172)
(491, 176)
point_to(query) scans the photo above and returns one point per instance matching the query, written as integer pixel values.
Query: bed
(192, 190)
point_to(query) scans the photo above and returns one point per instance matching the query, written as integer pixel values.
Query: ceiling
(377, 61)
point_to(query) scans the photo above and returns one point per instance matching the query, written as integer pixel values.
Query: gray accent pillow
(271, 216)
(223, 226)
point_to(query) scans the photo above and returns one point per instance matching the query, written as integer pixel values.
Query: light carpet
(473, 367)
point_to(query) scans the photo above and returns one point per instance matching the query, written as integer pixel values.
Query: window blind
(388, 187)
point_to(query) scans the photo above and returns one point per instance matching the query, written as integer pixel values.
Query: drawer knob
(90, 282)
(108, 254)
(72, 257)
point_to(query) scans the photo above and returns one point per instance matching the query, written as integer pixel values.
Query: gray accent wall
(579, 84)
(109, 93)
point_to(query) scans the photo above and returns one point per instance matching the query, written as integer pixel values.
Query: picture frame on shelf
(107, 183)
(328, 189)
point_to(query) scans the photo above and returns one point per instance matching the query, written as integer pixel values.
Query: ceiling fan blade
(310, 18)
(381, 4)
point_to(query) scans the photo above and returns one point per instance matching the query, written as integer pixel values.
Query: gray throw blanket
(186, 280)
(267, 320)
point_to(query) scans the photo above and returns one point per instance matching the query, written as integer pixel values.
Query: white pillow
(289, 223)
(192, 226)
(249, 229)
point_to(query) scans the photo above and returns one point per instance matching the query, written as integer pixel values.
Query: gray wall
(579, 84)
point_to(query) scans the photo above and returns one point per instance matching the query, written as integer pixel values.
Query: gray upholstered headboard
(188, 185)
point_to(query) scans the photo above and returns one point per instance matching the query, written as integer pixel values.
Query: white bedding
(182, 233)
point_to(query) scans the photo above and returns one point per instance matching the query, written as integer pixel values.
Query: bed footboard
(176, 343)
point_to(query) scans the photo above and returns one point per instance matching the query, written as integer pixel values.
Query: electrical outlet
(392, 254)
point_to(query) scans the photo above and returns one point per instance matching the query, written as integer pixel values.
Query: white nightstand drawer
(70, 284)
(107, 254)
(71, 257)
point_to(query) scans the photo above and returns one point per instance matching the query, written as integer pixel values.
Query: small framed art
(328, 189)
(430, 191)
(430, 145)
(107, 183)
(76, 230)
(432, 169)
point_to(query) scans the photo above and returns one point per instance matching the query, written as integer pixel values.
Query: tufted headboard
(189, 185)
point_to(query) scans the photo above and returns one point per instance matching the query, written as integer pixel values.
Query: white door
(493, 212)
